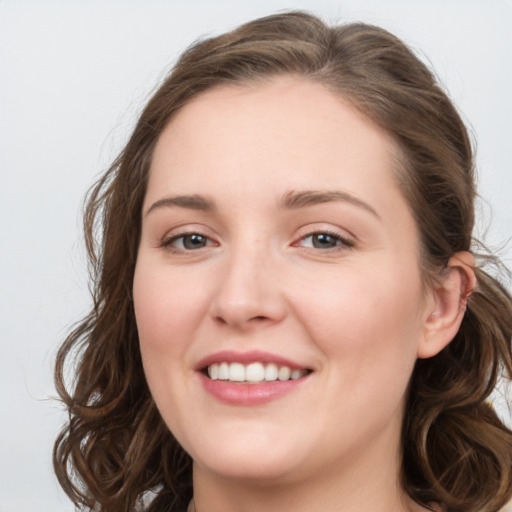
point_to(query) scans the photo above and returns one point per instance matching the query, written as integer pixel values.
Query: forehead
(288, 132)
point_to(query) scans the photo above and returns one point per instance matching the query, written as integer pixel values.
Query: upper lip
(252, 356)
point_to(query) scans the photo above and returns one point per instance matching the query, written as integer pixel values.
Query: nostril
(254, 320)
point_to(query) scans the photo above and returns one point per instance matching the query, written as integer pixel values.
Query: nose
(249, 292)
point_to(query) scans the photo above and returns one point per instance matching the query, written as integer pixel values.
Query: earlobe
(447, 306)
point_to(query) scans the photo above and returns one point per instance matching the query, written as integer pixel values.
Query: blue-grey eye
(194, 241)
(324, 241)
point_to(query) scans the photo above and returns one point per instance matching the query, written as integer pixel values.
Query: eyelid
(169, 240)
(182, 231)
(347, 242)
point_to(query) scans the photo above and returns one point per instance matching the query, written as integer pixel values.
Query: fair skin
(273, 229)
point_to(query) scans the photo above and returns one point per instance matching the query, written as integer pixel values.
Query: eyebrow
(295, 199)
(193, 202)
(290, 201)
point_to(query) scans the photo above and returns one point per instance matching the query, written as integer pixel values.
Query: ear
(447, 304)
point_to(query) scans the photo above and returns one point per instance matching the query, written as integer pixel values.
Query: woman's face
(276, 245)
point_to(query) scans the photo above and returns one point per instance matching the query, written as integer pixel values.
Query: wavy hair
(115, 447)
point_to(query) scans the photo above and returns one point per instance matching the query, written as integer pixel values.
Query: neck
(192, 507)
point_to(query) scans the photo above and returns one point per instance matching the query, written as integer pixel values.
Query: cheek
(166, 312)
(166, 309)
(366, 318)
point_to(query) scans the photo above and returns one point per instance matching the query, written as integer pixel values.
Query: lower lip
(249, 394)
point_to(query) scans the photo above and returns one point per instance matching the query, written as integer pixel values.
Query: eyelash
(167, 242)
(342, 243)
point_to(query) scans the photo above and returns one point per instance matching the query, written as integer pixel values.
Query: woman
(287, 309)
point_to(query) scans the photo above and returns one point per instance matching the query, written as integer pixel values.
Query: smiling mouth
(253, 373)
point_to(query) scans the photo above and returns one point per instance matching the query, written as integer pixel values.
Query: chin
(257, 472)
(249, 457)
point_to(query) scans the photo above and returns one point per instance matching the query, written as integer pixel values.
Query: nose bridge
(248, 290)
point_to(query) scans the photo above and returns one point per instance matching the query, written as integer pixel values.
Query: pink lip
(248, 394)
(252, 356)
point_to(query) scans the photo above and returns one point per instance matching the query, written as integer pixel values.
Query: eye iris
(194, 241)
(324, 241)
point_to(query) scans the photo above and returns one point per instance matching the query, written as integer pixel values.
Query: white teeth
(271, 372)
(213, 371)
(296, 374)
(237, 372)
(253, 372)
(284, 373)
(223, 371)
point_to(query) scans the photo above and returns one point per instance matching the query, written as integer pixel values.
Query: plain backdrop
(74, 74)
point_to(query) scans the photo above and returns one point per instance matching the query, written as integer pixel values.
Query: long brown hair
(456, 451)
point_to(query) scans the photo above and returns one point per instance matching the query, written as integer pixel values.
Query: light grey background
(73, 75)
